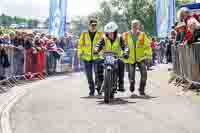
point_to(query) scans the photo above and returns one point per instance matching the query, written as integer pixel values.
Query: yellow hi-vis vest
(139, 51)
(149, 51)
(86, 46)
(115, 47)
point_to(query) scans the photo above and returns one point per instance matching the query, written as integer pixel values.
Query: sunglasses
(93, 25)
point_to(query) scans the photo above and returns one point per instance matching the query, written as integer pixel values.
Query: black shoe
(121, 87)
(121, 90)
(91, 94)
(133, 95)
(143, 94)
(112, 95)
(99, 92)
(115, 90)
(132, 88)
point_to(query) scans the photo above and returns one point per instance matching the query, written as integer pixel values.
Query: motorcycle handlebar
(107, 53)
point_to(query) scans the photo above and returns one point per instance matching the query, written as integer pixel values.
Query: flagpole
(65, 16)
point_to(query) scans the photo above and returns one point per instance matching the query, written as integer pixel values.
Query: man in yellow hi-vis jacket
(138, 45)
(87, 43)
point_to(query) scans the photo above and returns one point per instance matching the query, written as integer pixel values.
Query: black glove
(125, 55)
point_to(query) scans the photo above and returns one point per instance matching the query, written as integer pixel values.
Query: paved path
(61, 105)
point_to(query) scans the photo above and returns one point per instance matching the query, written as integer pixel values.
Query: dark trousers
(18, 62)
(162, 55)
(96, 68)
(169, 56)
(154, 57)
(143, 72)
(120, 73)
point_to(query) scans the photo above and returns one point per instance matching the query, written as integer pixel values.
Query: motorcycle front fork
(115, 81)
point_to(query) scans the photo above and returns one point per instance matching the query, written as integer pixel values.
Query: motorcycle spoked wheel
(108, 94)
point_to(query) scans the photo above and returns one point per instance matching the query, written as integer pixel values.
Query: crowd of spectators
(22, 52)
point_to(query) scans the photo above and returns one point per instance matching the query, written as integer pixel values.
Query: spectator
(173, 33)
(169, 52)
(181, 32)
(70, 48)
(37, 55)
(62, 43)
(53, 56)
(28, 46)
(161, 51)
(4, 58)
(191, 25)
(153, 47)
(22, 53)
(1, 40)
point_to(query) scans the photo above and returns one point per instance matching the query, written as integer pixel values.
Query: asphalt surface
(61, 105)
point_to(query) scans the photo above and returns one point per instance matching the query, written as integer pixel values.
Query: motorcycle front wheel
(108, 86)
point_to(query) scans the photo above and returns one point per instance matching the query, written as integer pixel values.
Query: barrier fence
(19, 65)
(186, 62)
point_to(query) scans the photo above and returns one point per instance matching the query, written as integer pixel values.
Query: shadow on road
(57, 74)
(147, 97)
(150, 69)
(116, 101)
(118, 98)
(92, 97)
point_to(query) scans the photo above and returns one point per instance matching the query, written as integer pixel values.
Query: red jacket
(153, 45)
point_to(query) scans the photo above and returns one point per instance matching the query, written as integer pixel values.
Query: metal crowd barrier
(17, 73)
(186, 62)
(77, 64)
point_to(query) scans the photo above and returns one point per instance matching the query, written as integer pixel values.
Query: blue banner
(57, 17)
(165, 16)
(172, 14)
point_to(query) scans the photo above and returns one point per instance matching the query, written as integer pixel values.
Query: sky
(40, 8)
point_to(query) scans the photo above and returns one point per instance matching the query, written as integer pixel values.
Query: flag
(172, 14)
(165, 14)
(57, 17)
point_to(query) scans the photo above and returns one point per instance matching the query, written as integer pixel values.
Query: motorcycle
(110, 75)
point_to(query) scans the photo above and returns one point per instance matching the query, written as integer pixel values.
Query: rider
(138, 44)
(87, 43)
(112, 41)
(192, 25)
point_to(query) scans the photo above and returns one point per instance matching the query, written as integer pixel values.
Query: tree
(105, 15)
(124, 11)
(181, 2)
(15, 19)
(5, 20)
(78, 25)
(29, 22)
(121, 21)
(19, 20)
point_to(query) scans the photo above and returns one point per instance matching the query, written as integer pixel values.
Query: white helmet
(111, 27)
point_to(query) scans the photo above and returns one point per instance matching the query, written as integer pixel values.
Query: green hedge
(6, 31)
